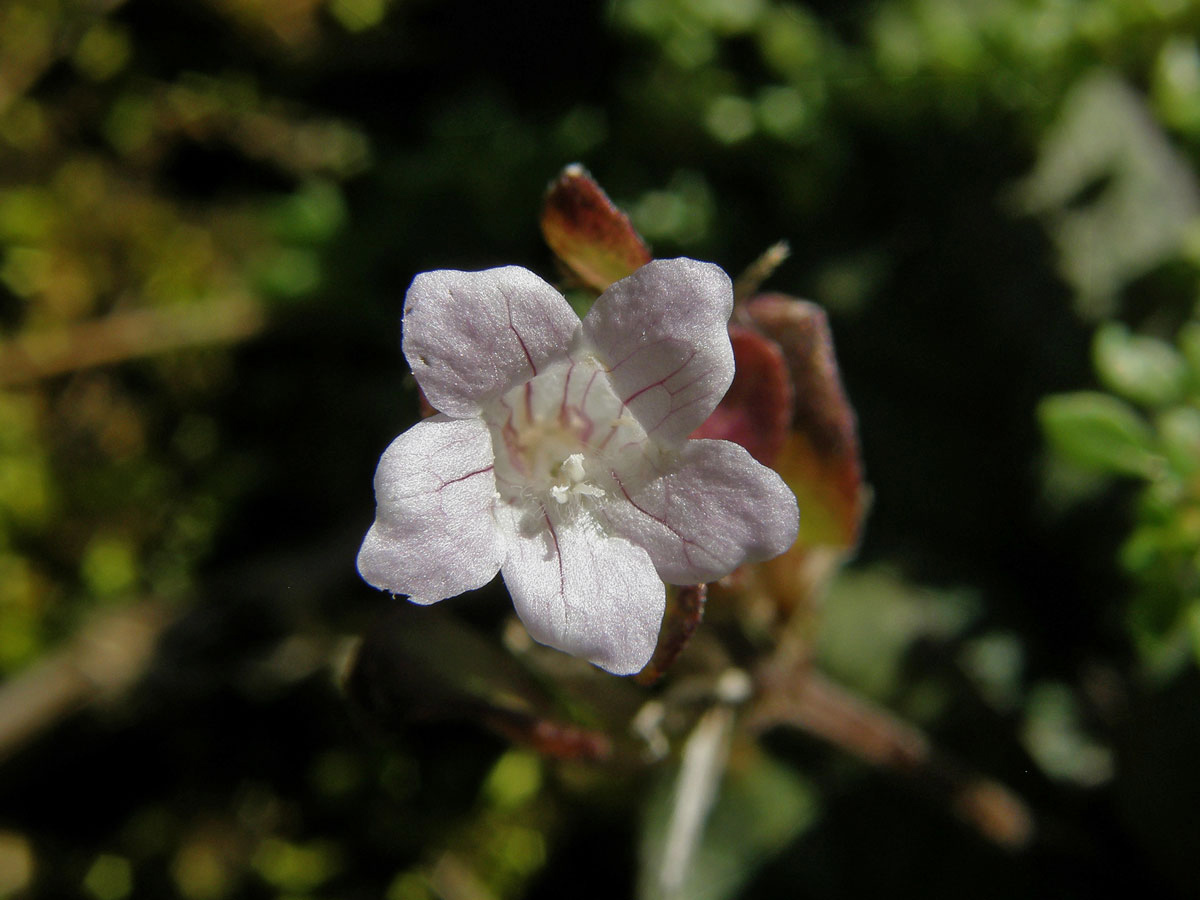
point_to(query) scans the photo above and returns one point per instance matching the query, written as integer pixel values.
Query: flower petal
(715, 509)
(580, 590)
(662, 332)
(470, 336)
(434, 534)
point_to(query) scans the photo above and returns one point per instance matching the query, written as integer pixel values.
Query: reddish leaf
(820, 457)
(593, 238)
(757, 410)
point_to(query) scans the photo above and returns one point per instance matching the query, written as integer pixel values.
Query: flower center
(563, 437)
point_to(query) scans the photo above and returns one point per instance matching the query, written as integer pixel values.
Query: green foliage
(1143, 369)
(1160, 447)
(1122, 200)
(1055, 736)
(1099, 432)
(1118, 198)
(874, 617)
(104, 264)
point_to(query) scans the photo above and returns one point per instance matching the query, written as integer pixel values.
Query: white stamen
(557, 437)
(572, 467)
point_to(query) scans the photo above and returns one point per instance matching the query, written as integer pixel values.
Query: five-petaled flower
(561, 456)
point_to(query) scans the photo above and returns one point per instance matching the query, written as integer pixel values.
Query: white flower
(561, 455)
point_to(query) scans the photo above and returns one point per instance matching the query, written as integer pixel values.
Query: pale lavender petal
(434, 534)
(663, 334)
(470, 336)
(580, 590)
(713, 510)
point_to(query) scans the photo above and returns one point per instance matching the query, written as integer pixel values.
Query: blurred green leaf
(103, 51)
(1179, 432)
(358, 15)
(514, 780)
(1189, 346)
(288, 273)
(1162, 634)
(683, 213)
(1142, 369)
(109, 878)
(109, 565)
(1142, 549)
(1119, 198)
(312, 215)
(1098, 431)
(1053, 733)
(996, 663)
(1176, 83)
(1193, 626)
(872, 617)
(297, 867)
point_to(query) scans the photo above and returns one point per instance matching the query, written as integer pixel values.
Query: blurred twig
(453, 879)
(126, 335)
(700, 772)
(760, 270)
(800, 697)
(104, 659)
(685, 609)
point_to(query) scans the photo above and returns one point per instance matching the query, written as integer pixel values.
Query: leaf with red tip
(757, 410)
(593, 238)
